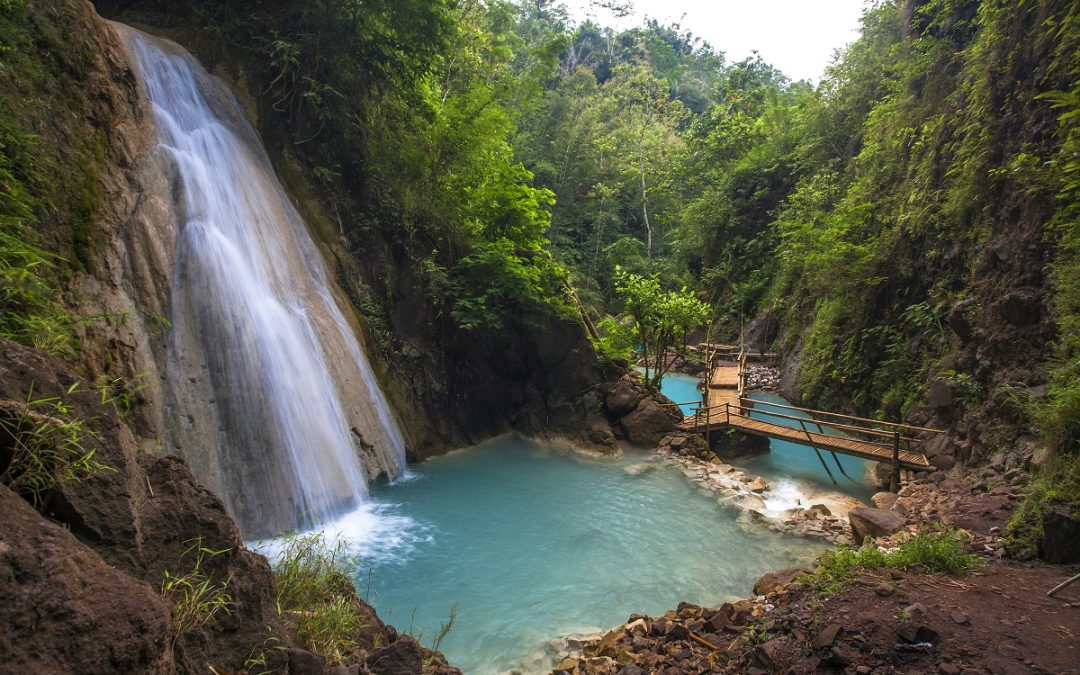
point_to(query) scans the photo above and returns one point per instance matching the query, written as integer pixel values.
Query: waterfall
(269, 395)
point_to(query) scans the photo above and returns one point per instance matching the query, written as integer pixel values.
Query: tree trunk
(645, 201)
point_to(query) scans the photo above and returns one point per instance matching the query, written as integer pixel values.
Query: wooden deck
(726, 407)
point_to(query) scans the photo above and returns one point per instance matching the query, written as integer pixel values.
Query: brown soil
(998, 620)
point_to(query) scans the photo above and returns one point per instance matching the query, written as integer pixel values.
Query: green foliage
(445, 628)
(1057, 415)
(259, 660)
(46, 446)
(664, 320)
(617, 340)
(120, 392)
(942, 552)
(488, 288)
(197, 598)
(49, 159)
(313, 586)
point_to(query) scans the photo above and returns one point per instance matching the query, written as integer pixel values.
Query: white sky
(797, 36)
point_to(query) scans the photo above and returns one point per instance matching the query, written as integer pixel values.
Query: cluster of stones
(765, 378)
(738, 489)
(690, 639)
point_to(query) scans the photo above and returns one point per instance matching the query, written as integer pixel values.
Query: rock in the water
(774, 580)
(867, 522)
(758, 485)
(403, 657)
(734, 444)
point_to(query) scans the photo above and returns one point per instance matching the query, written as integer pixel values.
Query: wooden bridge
(725, 406)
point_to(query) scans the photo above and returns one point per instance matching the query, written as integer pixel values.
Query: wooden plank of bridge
(725, 377)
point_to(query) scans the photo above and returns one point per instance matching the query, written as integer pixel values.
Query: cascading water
(270, 397)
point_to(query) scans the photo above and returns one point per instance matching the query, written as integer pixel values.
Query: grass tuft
(43, 444)
(196, 597)
(942, 552)
(314, 588)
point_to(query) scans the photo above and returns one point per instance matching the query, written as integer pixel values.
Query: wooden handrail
(668, 405)
(744, 410)
(822, 423)
(896, 425)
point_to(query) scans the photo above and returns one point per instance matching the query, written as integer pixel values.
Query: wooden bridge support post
(894, 481)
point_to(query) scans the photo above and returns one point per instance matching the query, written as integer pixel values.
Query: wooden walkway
(726, 406)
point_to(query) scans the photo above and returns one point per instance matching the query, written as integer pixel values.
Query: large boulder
(403, 657)
(622, 398)
(65, 610)
(776, 579)
(649, 422)
(868, 522)
(1061, 540)
(729, 444)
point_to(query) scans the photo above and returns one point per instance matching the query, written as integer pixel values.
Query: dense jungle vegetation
(910, 219)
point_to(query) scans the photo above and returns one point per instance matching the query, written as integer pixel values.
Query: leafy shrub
(617, 340)
(313, 586)
(1058, 482)
(935, 552)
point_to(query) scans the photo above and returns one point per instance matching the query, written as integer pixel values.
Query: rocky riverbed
(825, 518)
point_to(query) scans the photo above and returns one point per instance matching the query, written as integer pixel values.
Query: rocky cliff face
(88, 577)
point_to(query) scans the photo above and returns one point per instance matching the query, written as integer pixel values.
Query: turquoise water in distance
(533, 544)
(682, 388)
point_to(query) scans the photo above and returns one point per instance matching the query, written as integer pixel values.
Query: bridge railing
(889, 436)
